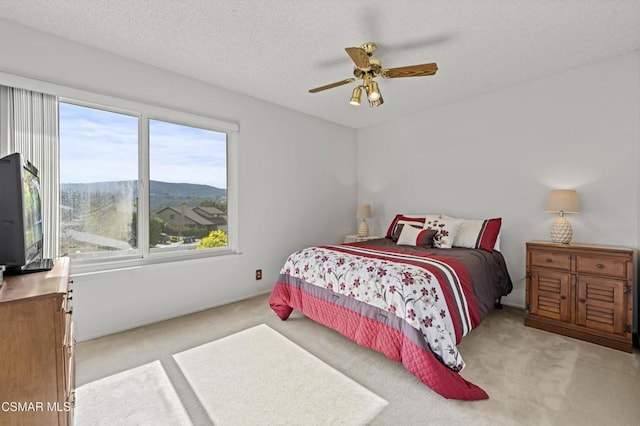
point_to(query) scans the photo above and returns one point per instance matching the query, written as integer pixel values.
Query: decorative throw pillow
(446, 231)
(496, 246)
(393, 232)
(414, 236)
(479, 234)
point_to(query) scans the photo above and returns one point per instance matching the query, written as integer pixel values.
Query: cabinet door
(601, 304)
(550, 294)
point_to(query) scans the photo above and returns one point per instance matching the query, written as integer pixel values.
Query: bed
(412, 295)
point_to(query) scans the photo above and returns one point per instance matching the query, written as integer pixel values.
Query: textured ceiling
(277, 50)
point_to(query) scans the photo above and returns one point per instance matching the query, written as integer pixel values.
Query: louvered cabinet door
(601, 304)
(584, 291)
(550, 295)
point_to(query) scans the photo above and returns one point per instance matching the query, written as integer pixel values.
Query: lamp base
(363, 230)
(561, 231)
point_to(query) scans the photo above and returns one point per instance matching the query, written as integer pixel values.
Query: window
(98, 182)
(119, 166)
(187, 181)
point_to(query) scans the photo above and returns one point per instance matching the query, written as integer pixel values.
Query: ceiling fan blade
(358, 56)
(411, 71)
(332, 85)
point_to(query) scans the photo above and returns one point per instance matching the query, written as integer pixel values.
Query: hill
(163, 194)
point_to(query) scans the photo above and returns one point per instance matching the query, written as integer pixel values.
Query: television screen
(32, 208)
(21, 229)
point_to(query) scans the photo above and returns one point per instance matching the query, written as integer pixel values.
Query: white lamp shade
(562, 201)
(364, 211)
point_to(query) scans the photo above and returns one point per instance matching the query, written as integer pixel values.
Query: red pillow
(489, 233)
(402, 219)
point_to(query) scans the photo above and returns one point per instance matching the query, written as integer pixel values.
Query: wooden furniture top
(32, 285)
(578, 246)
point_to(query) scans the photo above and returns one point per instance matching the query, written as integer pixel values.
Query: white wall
(498, 154)
(297, 184)
(493, 155)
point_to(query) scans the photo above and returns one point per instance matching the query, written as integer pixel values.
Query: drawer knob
(600, 266)
(563, 297)
(549, 260)
(582, 300)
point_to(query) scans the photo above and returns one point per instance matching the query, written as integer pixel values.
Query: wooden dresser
(583, 291)
(36, 348)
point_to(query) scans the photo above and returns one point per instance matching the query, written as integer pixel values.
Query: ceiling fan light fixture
(366, 68)
(355, 96)
(374, 92)
(377, 102)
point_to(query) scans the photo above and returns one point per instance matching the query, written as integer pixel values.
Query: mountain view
(163, 194)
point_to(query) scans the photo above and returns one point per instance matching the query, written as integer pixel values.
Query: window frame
(145, 112)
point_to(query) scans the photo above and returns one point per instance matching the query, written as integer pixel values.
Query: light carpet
(258, 376)
(139, 396)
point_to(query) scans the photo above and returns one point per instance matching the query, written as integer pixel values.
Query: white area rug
(140, 396)
(259, 377)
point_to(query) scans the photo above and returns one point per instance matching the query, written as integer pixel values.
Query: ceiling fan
(367, 68)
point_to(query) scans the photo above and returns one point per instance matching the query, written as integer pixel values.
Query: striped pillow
(414, 236)
(480, 234)
(394, 229)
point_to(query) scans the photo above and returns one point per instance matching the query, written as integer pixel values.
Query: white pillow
(470, 234)
(447, 231)
(409, 235)
(417, 236)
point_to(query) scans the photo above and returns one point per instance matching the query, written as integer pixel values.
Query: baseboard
(170, 317)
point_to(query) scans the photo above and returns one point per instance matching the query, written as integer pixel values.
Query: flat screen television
(21, 236)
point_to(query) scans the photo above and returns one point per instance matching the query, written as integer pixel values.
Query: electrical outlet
(258, 274)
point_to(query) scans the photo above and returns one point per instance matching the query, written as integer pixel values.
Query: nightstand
(355, 239)
(584, 291)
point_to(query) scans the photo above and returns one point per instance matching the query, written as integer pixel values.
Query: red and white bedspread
(413, 307)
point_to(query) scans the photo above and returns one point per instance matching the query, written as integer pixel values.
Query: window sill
(88, 267)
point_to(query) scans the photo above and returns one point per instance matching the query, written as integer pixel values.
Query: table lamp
(363, 212)
(562, 201)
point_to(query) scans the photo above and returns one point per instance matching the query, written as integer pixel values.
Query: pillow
(393, 231)
(496, 246)
(414, 236)
(447, 229)
(479, 234)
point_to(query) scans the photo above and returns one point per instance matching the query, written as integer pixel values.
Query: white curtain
(29, 125)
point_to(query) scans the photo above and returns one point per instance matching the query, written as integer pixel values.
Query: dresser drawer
(602, 266)
(550, 259)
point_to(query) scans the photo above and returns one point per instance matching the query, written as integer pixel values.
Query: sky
(102, 146)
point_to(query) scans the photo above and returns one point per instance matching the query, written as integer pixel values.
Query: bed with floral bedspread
(412, 304)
